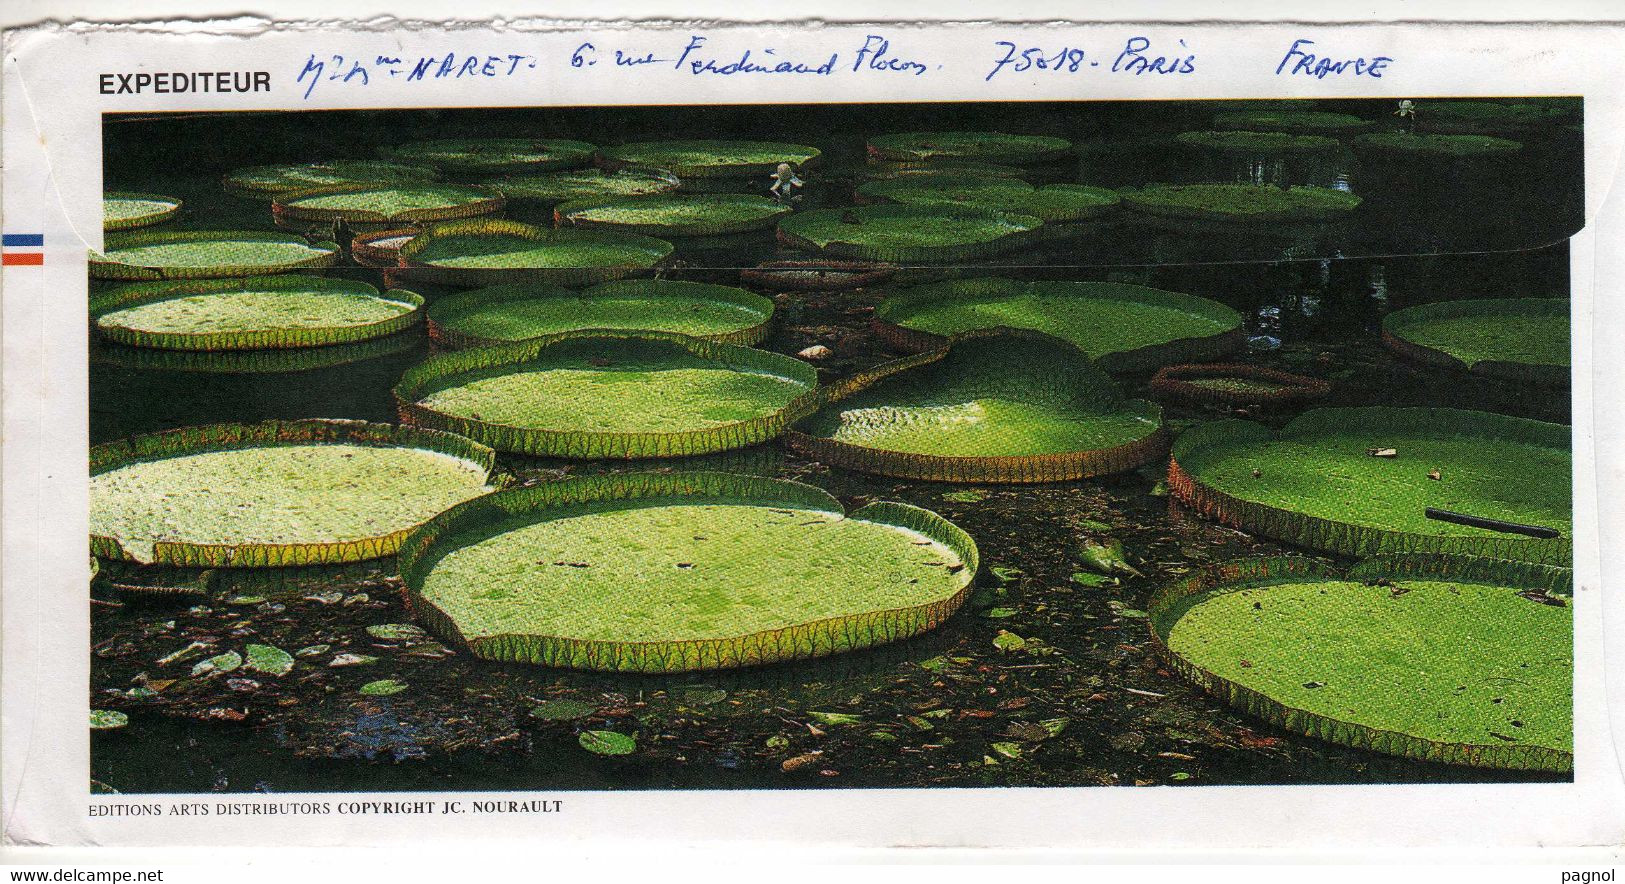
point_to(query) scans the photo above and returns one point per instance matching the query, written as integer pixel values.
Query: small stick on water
(1492, 524)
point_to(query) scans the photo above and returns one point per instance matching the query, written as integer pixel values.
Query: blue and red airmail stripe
(22, 249)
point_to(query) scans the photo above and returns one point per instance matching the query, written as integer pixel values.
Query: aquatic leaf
(312, 651)
(999, 613)
(659, 538)
(832, 718)
(1055, 725)
(268, 659)
(107, 719)
(607, 743)
(1123, 610)
(246, 600)
(1008, 750)
(778, 741)
(702, 695)
(223, 663)
(486, 251)
(352, 660)
(1009, 641)
(1180, 776)
(920, 723)
(383, 687)
(1004, 573)
(1106, 557)
(140, 692)
(967, 495)
(1091, 579)
(933, 664)
(190, 651)
(396, 632)
(562, 710)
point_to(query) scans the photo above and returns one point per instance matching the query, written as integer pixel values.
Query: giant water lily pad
(710, 159)
(490, 252)
(576, 184)
(1495, 117)
(255, 312)
(681, 571)
(268, 182)
(276, 493)
(1409, 146)
(1316, 482)
(198, 254)
(1240, 202)
(675, 214)
(122, 211)
(1444, 658)
(605, 393)
(1523, 339)
(926, 234)
(501, 314)
(1124, 327)
(1051, 202)
(1266, 143)
(1293, 121)
(991, 147)
(490, 156)
(385, 204)
(995, 406)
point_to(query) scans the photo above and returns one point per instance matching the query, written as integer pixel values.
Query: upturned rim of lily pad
(1165, 609)
(1175, 381)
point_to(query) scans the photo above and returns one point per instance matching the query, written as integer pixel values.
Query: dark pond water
(1089, 705)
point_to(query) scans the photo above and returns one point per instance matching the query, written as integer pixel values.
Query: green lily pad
(926, 234)
(489, 156)
(997, 406)
(1495, 117)
(1513, 338)
(1106, 556)
(999, 613)
(384, 204)
(1443, 658)
(506, 313)
(275, 494)
(492, 252)
(607, 743)
(383, 687)
(1052, 202)
(122, 211)
(396, 632)
(1456, 147)
(562, 710)
(681, 571)
(197, 254)
(609, 394)
(268, 182)
(1317, 485)
(992, 147)
(1086, 578)
(1009, 641)
(834, 718)
(1252, 203)
(1008, 750)
(226, 662)
(1124, 327)
(674, 214)
(268, 659)
(1263, 143)
(1292, 121)
(711, 159)
(251, 313)
(107, 719)
(556, 187)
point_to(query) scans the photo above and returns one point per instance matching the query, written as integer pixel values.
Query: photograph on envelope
(790, 446)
